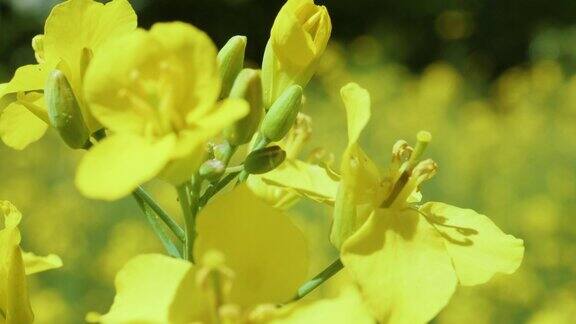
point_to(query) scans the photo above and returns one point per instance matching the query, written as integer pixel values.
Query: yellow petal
(19, 127)
(225, 113)
(196, 53)
(265, 250)
(77, 24)
(190, 148)
(154, 288)
(357, 103)
(401, 266)
(344, 309)
(276, 196)
(291, 43)
(360, 185)
(478, 248)
(120, 163)
(26, 78)
(305, 179)
(14, 303)
(110, 87)
(93, 24)
(34, 264)
(17, 307)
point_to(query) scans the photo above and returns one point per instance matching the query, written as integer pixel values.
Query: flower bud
(223, 152)
(297, 41)
(282, 114)
(230, 62)
(64, 111)
(247, 86)
(212, 170)
(264, 160)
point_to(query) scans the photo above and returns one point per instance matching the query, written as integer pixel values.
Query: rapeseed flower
(298, 39)
(407, 258)
(69, 49)
(265, 255)
(156, 92)
(14, 266)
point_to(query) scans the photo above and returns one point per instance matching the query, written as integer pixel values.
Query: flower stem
(170, 223)
(189, 211)
(319, 279)
(213, 189)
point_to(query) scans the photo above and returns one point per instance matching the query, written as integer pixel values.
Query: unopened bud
(282, 114)
(247, 86)
(212, 170)
(230, 62)
(64, 111)
(264, 160)
(223, 152)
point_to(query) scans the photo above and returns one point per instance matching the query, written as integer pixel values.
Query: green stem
(170, 223)
(213, 189)
(189, 221)
(159, 228)
(233, 169)
(319, 279)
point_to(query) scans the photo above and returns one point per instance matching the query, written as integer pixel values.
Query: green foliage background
(492, 80)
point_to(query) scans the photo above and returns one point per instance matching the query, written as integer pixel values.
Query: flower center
(154, 95)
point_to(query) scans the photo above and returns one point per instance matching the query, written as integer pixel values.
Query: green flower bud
(264, 160)
(223, 152)
(249, 87)
(212, 170)
(230, 62)
(64, 112)
(282, 114)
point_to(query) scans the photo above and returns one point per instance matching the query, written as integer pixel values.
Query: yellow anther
(425, 170)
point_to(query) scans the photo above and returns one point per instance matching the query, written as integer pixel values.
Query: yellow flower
(266, 259)
(297, 41)
(14, 266)
(74, 31)
(406, 259)
(156, 92)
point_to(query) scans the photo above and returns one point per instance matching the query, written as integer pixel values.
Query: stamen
(141, 105)
(411, 173)
(422, 140)
(401, 152)
(215, 279)
(425, 170)
(406, 185)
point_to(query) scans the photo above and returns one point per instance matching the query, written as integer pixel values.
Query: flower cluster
(166, 104)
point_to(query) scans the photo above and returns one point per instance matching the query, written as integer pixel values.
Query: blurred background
(492, 80)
